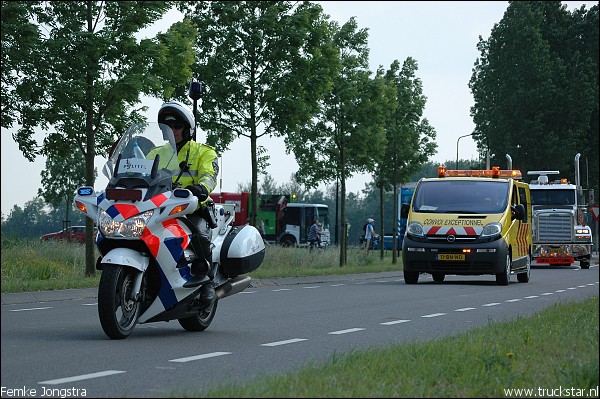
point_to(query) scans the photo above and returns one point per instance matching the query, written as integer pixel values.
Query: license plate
(556, 251)
(451, 257)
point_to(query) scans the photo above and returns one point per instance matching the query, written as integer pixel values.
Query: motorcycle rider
(199, 167)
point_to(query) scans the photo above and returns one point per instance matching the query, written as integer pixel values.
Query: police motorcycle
(144, 239)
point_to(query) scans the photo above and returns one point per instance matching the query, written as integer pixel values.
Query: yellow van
(469, 222)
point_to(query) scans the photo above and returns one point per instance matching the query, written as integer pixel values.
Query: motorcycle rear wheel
(117, 311)
(200, 321)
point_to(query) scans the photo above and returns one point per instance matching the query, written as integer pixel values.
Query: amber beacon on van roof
(495, 172)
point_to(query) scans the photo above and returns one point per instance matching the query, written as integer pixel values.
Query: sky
(441, 36)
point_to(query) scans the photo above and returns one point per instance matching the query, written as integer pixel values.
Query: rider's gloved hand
(199, 191)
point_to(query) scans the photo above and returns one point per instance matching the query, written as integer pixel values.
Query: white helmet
(369, 220)
(175, 111)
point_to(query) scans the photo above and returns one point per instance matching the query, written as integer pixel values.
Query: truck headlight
(414, 229)
(583, 230)
(491, 231)
(132, 227)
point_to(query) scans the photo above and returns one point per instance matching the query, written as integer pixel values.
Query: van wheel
(411, 277)
(584, 264)
(503, 278)
(524, 277)
(438, 277)
(288, 241)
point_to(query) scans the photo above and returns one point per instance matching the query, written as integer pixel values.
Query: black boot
(199, 272)
(201, 268)
(207, 252)
(207, 295)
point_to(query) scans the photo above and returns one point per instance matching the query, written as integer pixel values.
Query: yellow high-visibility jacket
(202, 161)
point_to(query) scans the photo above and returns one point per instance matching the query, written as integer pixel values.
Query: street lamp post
(466, 135)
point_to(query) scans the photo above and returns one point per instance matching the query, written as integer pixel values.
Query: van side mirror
(404, 211)
(519, 212)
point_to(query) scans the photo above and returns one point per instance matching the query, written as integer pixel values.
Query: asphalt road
(53, 340)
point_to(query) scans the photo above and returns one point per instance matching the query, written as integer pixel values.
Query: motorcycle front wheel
(200, 321)
(117, 310)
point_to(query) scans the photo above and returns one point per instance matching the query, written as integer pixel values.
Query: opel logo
(450, 238)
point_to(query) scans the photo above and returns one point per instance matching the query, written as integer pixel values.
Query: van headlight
(414, 229)
(491, 231)
(132, 227)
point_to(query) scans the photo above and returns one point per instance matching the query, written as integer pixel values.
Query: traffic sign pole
(594, 211)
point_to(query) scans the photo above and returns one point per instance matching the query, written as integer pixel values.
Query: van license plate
(451, 257)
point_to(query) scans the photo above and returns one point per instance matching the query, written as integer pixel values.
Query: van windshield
(461, 196)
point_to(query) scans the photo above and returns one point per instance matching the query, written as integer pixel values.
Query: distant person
(314, 234)
(261, 230)
(369, 234)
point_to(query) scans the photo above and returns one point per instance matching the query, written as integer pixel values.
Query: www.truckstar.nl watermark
(560, 392)
(41, 392)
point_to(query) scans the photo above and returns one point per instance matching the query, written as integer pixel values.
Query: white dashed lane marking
(389, 323)
(24, 310)
(349, 330)
(287, 341)
(199, 357)
(81, 377)
(434, 315)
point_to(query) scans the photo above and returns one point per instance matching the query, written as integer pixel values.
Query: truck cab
(561, 235)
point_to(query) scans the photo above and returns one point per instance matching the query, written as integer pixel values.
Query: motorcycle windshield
(138, 149)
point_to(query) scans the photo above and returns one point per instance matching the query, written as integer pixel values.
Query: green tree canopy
(264, 65)
(535, 88)
(83, 78)
(411, 140)
(347, 134)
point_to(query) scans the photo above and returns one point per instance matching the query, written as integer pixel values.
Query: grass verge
(33, 265)
(553, 353)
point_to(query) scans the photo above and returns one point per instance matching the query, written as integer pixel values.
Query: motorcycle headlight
(491, 231)
(132, 227)
(415, 229)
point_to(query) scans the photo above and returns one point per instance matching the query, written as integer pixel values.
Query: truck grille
(554, 227)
